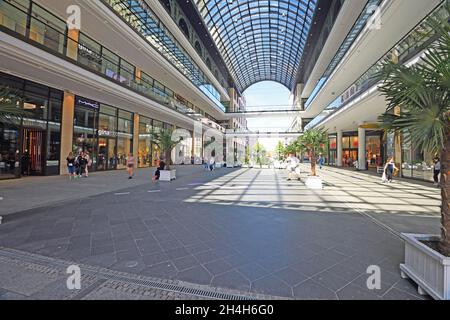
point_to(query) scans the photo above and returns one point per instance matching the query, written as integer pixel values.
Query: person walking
(80, 164)
(212, 163)
(88, 164)
(71, 165)
(292, 163)
(390, 169)
(130, 166)
(321, 161)
(436, 170)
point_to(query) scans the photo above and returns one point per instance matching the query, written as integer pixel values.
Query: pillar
(362, 148)
(136, 136)
(72, 44)
(66, 130)
(339, 148)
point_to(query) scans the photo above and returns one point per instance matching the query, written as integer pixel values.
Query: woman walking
(436, 171)
(130, 166)
(71, 165)
(88, 164)
(389, 169)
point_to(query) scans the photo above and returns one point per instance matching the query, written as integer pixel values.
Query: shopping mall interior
(105, 77)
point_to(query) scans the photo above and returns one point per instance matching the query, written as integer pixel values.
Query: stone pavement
(34, 192)
(245, 230)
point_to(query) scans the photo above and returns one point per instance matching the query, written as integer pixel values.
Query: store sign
(87, 103)
(107, 133)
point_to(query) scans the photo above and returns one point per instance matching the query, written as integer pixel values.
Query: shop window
(14, 16)
(47, 29)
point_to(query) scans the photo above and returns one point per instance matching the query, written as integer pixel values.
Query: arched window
(167, 5)
(183, 26)
(198, 48)
(208, 63)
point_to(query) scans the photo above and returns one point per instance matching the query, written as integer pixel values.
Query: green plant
(11, 110)
(280, 151)
(313, 142)
(260, 153)
(422, 92)
(164, 141)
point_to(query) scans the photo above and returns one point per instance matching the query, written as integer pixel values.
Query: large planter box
(314, 183)
(427, 267)
(168, 175)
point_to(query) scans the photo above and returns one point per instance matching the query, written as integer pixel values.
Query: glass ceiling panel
(259, 39)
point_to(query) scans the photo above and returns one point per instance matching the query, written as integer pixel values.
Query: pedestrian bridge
(264, 111)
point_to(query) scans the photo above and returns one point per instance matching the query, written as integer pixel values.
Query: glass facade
(332, 150)
(30, 142)
(349, 149)
(374, 150)
(416, 164)
(85, 128)
(145, 142)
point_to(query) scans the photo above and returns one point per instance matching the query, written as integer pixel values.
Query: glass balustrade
(50, 32)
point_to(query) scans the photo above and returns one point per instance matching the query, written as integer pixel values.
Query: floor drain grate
(183, 288)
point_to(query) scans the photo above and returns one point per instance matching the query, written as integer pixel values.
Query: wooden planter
(426, 267)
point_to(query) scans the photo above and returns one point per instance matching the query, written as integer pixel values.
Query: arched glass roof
(259, 39)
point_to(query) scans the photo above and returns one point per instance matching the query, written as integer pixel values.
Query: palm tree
(313, 142)
(260, 153)
(10, 106)
(280, 150)
(163, 140)
(422, 92)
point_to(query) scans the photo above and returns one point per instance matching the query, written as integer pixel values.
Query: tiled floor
(243, 229)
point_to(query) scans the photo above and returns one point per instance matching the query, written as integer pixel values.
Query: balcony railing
(139, 16)
(41, 28)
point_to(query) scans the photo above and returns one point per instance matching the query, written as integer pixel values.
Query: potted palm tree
(164, 141)
(313, 142)
(422, 91)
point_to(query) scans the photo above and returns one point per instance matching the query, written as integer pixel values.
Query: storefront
(115, 138)
(332, 150)
(416, 164)
(374, 149)
(349, 149)
(145, 142)
(30, 142)
(85, 128)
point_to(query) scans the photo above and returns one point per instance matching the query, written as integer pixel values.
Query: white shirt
(212, 160)
(293, 162)
(437, 166)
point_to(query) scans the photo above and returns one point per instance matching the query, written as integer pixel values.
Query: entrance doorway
(107, 159)
(33, 158)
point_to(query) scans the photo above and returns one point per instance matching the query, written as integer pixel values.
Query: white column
(362, 148)
(339, 148)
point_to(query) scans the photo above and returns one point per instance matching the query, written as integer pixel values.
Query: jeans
(436, 175)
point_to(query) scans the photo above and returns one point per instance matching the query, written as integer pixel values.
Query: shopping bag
(384, 177)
